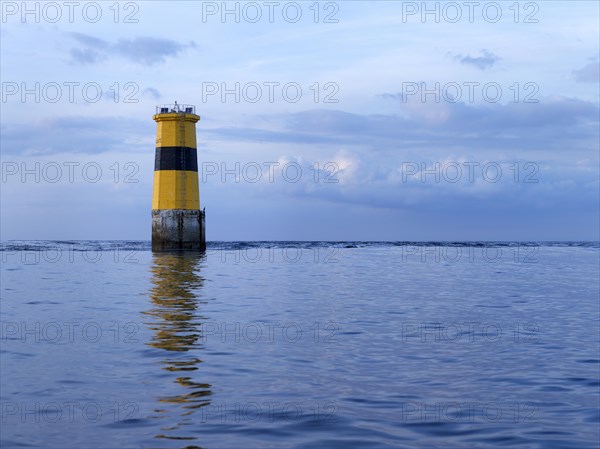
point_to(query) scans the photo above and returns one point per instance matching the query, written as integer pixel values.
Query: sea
(105, 344)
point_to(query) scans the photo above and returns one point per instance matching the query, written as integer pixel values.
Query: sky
(319, 120)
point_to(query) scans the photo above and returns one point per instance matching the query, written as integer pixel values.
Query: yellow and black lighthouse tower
(177, 221)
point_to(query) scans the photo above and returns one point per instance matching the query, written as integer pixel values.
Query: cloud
(152, 93)
(90, 41)
(140, 50)
(75, 135)
(588, 74)
(483, 62)
(559, 125)
(149, 50)
(444, 184)
(86, 56)
(553, 141)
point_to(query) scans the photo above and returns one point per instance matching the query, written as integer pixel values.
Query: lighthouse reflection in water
(176, 320)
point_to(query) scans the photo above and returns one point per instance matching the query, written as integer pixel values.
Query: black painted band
(176, 158)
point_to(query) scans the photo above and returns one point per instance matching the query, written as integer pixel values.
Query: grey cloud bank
(140, 50)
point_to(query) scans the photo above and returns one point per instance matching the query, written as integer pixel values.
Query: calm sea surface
(300, 345)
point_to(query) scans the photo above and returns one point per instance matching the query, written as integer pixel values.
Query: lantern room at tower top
(176, 109)
(181, 134)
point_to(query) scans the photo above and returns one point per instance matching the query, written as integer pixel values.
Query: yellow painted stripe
(175, 189)
(176, 130)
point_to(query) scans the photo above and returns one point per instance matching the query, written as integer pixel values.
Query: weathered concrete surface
(178, 229)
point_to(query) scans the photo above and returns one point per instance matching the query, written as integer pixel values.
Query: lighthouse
(177, 221)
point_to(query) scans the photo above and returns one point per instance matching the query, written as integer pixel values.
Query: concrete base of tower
(178, 229)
